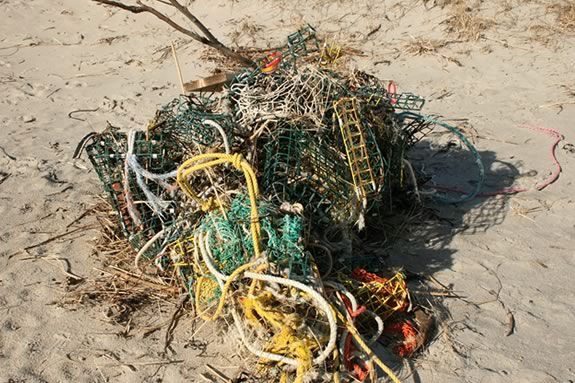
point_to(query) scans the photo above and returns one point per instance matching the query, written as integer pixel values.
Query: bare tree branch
(194, 20)
(131, 8)
(208, 38)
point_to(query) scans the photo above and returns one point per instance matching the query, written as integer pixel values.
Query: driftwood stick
(85, 227)
(186, 12)
(140, 280)
(178, 68)
(208, 38)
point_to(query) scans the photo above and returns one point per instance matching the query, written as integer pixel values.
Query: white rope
(249, 345)
(305, 93)
(380, 327)
(413, 179)
(156, 204)
(145, 248)
(215, 125)
(126, 180)
(321, 302)
(237, 321)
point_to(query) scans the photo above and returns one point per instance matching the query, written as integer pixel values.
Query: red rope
(392, 90)
(408, 332)
(360, 371)
(362, 275)
(515, 190)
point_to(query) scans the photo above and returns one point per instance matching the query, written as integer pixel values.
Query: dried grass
(557, 23)
(419, 46)
(542, 34)
(565, 15)
(570, 100)
(465, 23)
(120, 290)
(247, 28)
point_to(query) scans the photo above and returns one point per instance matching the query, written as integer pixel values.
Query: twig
(7, 155)
(433, 279)
(81, 111)
(115, 357)
(183, 89)
(127, 275)
(373, 31)
(510, 323)
(131, 365)
(52, 92)
(151, 329)
(447, 294)
(218, 373)
(194, 20)
(156, 363)
(208, 38)
(5, 176)
(207, 378)
(65, 266)
(494, 293)
(58, 237)
(61, 191)
(169, 337)
(89, 211)
(559, 104)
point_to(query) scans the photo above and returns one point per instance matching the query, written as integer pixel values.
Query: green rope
(467, 143)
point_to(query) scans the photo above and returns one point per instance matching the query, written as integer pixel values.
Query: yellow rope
(353, 331)
(330, 53)
(286, 341)
(205, 290)
(336, 378)
(208, 160)
(237, 272)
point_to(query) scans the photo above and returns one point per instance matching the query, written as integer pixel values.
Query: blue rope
(466, 142)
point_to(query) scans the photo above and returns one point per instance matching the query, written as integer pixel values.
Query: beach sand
(69, 66)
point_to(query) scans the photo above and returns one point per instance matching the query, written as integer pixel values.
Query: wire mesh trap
(251, 201)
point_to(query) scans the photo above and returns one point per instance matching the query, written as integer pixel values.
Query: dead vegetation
(247, 28)
(546, 22)
(419, 46)
(198, 31)
(565, 15)
(557, 23)
(122, 292)
(465, 23)
(569, 99)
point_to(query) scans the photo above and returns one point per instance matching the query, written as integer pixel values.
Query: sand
(509, 256)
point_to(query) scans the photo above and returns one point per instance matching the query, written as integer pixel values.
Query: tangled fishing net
(248, 200)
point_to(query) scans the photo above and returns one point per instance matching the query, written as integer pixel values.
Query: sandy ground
(505, 255)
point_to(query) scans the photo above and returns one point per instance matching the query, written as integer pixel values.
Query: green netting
(300, 43)
(329, 151)
(285, 123)
(292, 247)
(407, 101)
(231, 244)
(282, 162)
(184, 121)
(107, 153)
